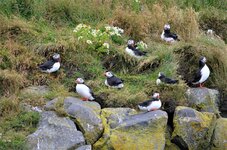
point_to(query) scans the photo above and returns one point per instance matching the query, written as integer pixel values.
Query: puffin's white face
(167, 27)
(79, 80)
(108, 74)
(204, 60)
(156, 95)
(56, 56)
(131, 42)
(159, 74)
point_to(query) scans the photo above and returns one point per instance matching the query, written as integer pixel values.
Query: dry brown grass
(9, 105)
(11, 81)
(150, 22)
(136, 25)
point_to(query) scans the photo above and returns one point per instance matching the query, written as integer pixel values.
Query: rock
(50, 106)
(86, 114)
(204, 99)
(219, 140)
(126, 130)
(117, 115)
(84, 147)
(55, 133)
(36, 90)
(192, 129)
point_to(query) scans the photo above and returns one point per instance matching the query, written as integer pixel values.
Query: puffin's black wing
(174, 36)
(198, 76)
(170, 81)
(146, 103)
(47, 65)
(138, 52)
(114, 81)
(90, 90)
(171, 35)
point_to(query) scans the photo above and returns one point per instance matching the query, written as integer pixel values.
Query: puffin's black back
(47, 65)
(167, 80)
(137, 51)
(114, 81)
(198, 74)
(148, 102)
(169, 34)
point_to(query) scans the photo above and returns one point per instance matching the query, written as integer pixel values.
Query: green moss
(15, 128)
(200, 131)
(102, 144)
(219, 136)
(139, 137)
(59, 107)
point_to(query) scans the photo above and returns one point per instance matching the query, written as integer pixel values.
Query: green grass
(15, 128)
(32, 30)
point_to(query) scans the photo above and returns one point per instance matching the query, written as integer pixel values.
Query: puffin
(83, 90)
(52, 65)
(202, 73)
(132, 50)
(163, 79)
(113, 81)
(150, 105)
(167, 35)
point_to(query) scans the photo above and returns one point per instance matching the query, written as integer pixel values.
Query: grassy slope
(32, 30)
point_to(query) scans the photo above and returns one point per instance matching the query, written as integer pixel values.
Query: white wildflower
(106, 45)
(112, 33)
(121, 30)
(75, 30)
(89, 42)
(80, 37)
(94, 32)
(108, 28)
(114, 30)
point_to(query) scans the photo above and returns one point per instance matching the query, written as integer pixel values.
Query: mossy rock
(137, 131)
(219, 140)
(86, 115)
(204, 99)
(111, 117)
(192, 129)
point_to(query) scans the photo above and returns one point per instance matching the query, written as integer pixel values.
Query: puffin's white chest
(83, 90)
(205, 72)
(131, 52)
(158, 81)
(55, 67)
(154, 105)
(106, 83)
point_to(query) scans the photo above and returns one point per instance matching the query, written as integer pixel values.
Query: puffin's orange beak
(77, 81)
(104, 74)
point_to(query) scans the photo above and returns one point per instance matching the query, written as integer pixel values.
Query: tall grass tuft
(136, 25)
(11, 82)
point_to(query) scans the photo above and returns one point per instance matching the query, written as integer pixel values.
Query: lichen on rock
(219, 140)
(204, 99)
(132, 131)
(192, 129)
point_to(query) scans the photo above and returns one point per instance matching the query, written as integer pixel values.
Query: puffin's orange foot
(153, 109)
(201, 85)
(84, 99)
